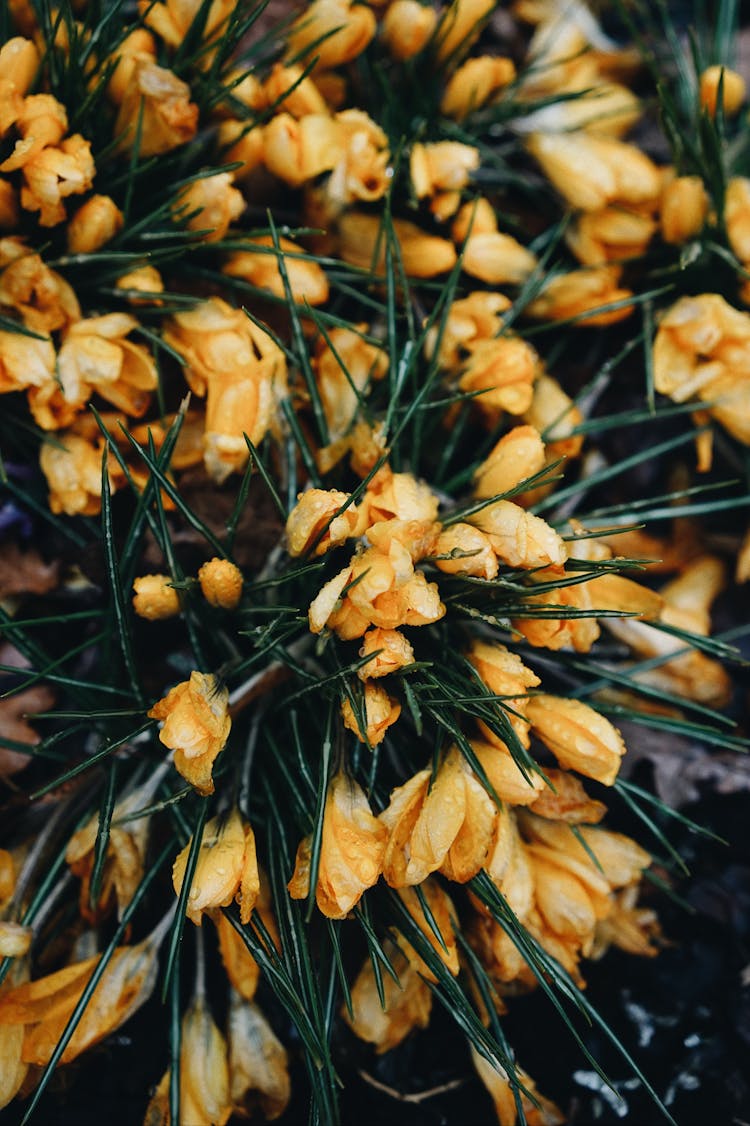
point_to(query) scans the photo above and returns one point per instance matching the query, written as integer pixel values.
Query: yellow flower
(683, 209)
(400, 496)
(389, 651)
(441, 166)
(460, 25)
(258, 1063)
(488, 254)
(331, 32)
(96, 356)
(73, 468)
(517, 456)
(380, 712)
(44, 1007)
(44, 299)
(94, 224)
(137, 47)
(241, 141)
(469, 320)
(363, 244)
(580, 738)
(315, 509)
(227, 869)
(53, 174)
(553, 413)
(363, 170)
(610, 235)
(161, 102)
(474, 83)
(204, 1074)
(241, 968)
(407, 1003)
(503, 673)
(351, 854)
(537, 1110)
(221, 583)
(503, 370)
(504, 774)
(19, 61)
(289, 92)
(172, 20)
(446, 824)
(307, 280)
(702, 350)
(464, 550)
(586, 295)
(298, 151)
(196, 727)
(343, 370)
(238, 364)
(568, 801)
(616, 172)
(518, 538)
(580, 633)
(407, 27)
(210, 205)
(41, 121)
(732, 87)
(144, 279)
(155, 599)
(443, 917)
(598, 854)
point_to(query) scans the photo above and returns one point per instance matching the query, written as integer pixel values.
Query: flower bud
(94, 224)
(332, 32)
(474, 83)
(503, 673)
(19, 62)
(407, 27)
(683, 209)
(221, 583)
(144, 279)
(441, 166)
(731, 84)
(154, 598)
(344, 365)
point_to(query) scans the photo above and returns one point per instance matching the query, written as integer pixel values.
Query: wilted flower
(227, 868)
(441, 166)
(94, 225)
(599, 853)
(443, 919)
(344, 365)
(315, 519)
(474, 83)
(160, 101)
(209, 205)
(683, 209)
(73, 468)
(196, 726)
(380, 711)
(221, 583)
(241, 968)
(580, 738)
(53, 174)
(155, 599)
(407, 1003)
(568, 801)
(537, 1110)
(307, 281)
(44, 1007)
(731, 84)
(97, 356)
(258, 1063)
(407, 27)
(351, 853)
(204, 1074)
(331, 32)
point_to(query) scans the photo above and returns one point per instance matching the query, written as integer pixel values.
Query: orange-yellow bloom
(517, 456)
(97, 356)
(520, 539)
(94, 225)
(331, 32)
(380, 712)
(731, 84)
(227, 868)
(683, 209)
(160, 101)
(363, 243)
(315, 511)
(407, 27)
(351, 854)
(407, 1004)
(503, 673)
(474, 83)
(388, 650)
(616, 172)
(44, 299)
(196, 727)
(585, 294)
(210, 205)
(344, 365)
(307, 280)
(580, 738)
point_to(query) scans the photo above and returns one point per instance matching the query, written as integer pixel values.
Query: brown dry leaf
(15, 729)
(25, 572)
